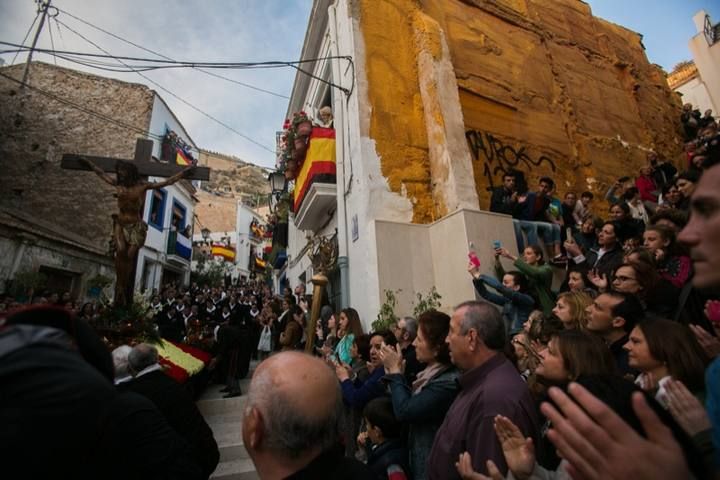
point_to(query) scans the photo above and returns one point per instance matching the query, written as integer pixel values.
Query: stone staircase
(224, 416)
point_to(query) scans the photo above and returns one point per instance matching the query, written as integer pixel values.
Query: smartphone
(497, 244)
(568, 234)
(472, 256)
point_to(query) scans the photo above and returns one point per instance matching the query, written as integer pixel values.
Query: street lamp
(205, 232)
(277, 182)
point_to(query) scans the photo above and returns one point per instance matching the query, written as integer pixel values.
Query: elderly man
(490, 386)
(291, 419)
(120, 362)
(175, 403)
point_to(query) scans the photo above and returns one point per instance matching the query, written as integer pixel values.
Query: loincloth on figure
(133, 233)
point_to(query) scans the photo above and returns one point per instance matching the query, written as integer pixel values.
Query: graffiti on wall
(499, 158)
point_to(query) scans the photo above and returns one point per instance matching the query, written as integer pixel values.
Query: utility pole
(45, 6)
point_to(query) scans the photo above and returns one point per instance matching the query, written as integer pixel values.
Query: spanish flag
(181, 158)
(221, 250)
(319, 164)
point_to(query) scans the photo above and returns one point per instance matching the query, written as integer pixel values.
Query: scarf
(426, 375)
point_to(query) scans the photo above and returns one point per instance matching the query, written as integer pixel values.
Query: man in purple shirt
(489, 386)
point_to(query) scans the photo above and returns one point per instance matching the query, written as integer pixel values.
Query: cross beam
(146, 168)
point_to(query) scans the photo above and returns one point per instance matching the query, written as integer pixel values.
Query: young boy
(386, 454)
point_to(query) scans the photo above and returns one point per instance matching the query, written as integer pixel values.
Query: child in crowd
(387, 455)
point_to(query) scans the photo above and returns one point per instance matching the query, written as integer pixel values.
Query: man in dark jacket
(61, 416)
(504, 198)
(174, 402)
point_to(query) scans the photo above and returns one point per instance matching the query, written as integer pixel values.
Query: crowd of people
(615, 374)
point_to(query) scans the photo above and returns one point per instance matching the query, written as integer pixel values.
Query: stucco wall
(544, 86)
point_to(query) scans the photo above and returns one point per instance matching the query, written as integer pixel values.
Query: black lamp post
(277, 182)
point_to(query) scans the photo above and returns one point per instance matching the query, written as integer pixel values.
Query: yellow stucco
(548, 89)
(396, 122)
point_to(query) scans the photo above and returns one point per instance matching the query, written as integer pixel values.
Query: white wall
(155, 248)
(696, 93)
(707, 60)
(245, 216)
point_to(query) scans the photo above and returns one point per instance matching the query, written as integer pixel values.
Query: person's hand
(572, 248)
(504, 253)
(391, 358)
(597, 443)
(514, 197)
(659, 255)
(342, 371)
(600, 281)
(303, 304)
(648, 382)
(362, 440)
(710, 344)
(685, 408)
(521, 198)
(465, 469)
(473, 270)
(213, 364)
(519, 451)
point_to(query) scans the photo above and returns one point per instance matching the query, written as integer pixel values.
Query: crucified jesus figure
(129, 229)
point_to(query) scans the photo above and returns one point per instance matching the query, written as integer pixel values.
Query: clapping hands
(392, 359)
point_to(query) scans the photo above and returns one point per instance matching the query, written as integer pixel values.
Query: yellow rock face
(545, 88)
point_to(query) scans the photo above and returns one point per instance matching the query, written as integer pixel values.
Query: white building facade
(167, 254)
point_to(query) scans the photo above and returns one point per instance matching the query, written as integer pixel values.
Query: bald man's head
(293, 406)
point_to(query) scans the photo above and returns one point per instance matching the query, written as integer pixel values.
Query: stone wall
(35, 131)
(231, 180)
(544, 87)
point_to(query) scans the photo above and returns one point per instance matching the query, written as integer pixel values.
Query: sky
(255, 31)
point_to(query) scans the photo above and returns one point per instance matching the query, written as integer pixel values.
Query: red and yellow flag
(319, 164)
(221, 250)
(181, 158)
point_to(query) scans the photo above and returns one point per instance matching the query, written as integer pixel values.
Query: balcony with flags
(315, 190)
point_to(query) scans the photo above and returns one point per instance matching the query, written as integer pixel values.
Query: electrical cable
(247, 85)
(26, 37)
(220, 122)
(52, 42)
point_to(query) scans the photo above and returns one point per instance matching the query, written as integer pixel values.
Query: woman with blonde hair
(570, 309)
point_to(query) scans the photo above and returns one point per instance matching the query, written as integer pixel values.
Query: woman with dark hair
(661, 349)
(349, 327)
(629, 227)
(425, 403)
(87, 312)
(571, 353)
(642, 279)
(673, 263)
(539, 274)
(291, 337)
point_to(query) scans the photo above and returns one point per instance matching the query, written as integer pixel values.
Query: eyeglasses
(623, 278)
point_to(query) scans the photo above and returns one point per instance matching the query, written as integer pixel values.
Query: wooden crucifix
(129, 228)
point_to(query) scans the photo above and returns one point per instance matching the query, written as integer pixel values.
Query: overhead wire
(247, 85)
(219, 122)
(26, 37)
(52, 42)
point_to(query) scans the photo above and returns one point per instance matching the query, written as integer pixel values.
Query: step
(222, 406)
(242, 469)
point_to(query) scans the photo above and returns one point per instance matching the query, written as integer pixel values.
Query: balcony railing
(179, 245)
